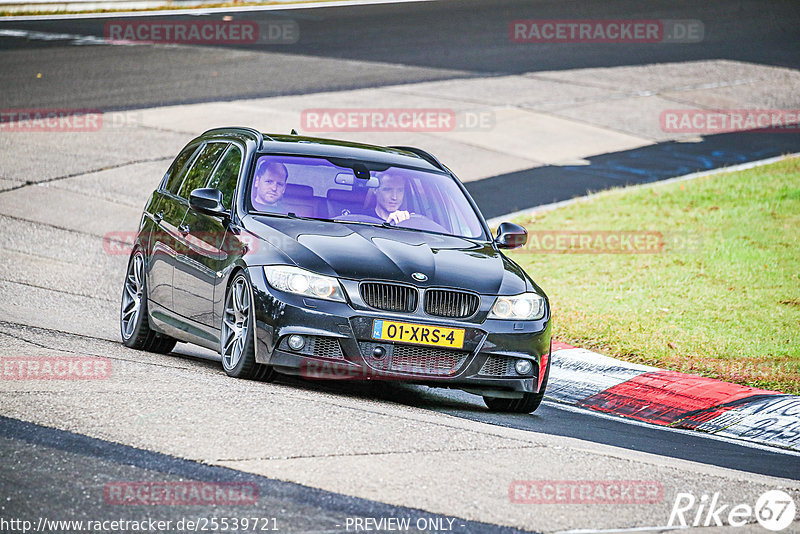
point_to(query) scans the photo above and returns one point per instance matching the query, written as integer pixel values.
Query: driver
(270, 187)
(388, 199)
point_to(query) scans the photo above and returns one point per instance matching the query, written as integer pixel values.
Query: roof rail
(257, 136)
(427, 156)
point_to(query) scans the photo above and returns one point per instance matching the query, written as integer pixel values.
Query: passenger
(389, 198)
(270, 185)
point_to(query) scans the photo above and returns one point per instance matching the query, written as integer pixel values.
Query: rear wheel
(237, 342)
(133, 323)
(527, 404)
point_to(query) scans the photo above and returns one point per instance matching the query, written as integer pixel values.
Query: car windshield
(362, 192)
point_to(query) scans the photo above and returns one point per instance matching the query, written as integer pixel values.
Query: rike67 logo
(774, 510)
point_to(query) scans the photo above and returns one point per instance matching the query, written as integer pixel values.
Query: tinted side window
(201, 168)
(176, 171)
(227, 174)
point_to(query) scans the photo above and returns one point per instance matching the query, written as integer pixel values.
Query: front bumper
(339, 344)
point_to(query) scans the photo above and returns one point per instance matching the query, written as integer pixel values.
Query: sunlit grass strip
(720, 298)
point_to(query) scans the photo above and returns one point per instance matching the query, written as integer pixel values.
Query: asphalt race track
(371, 46)
(53, 458)
(323, 452)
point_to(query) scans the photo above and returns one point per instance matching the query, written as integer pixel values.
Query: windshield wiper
(383, 224)
(292, 215)
(343, 221)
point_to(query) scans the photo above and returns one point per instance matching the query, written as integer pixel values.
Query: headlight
(301, 282)
(524, 307)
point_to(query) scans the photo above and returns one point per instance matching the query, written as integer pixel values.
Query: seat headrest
(345, 195)
(299, 191)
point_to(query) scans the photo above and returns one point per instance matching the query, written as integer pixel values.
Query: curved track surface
(367, 46)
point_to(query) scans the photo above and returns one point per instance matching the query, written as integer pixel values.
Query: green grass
(725, 306)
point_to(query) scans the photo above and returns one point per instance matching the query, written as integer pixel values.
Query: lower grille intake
(318, 346)
(498, 366)
(410, 359)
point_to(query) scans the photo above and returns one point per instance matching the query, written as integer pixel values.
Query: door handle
(184, 229)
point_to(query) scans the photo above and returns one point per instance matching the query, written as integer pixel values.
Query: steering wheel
(421, 222)
(415, 222)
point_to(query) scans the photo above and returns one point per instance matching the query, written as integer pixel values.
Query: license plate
(418, 334)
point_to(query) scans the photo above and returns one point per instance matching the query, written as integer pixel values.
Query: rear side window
(177, 170)
(201, 168)
(227, 174)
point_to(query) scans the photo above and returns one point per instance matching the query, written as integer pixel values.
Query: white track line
(208, 11)
(73, 38)
(695, 433)
(609, 530)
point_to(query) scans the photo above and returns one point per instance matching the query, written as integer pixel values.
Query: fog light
(296, 342)
(523, 367)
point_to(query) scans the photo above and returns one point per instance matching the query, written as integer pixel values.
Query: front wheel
(133, 323)
(527, 404)
(237, 342)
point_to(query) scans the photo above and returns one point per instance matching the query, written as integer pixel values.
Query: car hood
(363, 252)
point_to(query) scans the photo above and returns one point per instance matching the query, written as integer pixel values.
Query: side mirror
(209, 201)
(510, 235)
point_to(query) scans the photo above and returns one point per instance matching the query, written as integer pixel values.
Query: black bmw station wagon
(334, 260)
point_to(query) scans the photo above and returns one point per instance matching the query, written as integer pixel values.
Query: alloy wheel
(235, 322)
(132, 295)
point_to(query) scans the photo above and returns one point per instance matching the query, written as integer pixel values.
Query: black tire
(235, 321)
(527, 404)
(133, 322)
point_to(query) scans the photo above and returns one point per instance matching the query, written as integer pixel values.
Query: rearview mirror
(510, 235)
(343, 179)
(208, 200)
